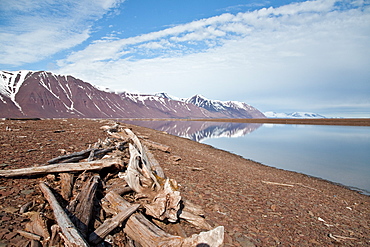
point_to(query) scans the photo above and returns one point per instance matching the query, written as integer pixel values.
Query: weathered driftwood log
(37, 224)
(110, 224)
(164, 198)
(29, 235)
(63, 167)
(144, 232)
(70, 233)
(77, 156)
(147, 234)
(81, 155)
(24, 208)
(66, 185)
(149, 161)
(154, 163)
(81, 207)
(139, 175)
(194, 215)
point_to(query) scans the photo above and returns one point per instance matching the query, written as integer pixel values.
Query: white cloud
(293, 52)
(35, 29)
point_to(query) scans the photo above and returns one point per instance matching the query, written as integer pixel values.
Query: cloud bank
(32, 30)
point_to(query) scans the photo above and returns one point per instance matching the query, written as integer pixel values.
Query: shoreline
(257, 204)
(297, 121)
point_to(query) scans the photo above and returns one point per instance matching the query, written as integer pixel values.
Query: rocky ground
(258, 205)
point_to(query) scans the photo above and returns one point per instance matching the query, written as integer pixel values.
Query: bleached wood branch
(63, 167)
(274, 183)
(110, 224)
(68, 229)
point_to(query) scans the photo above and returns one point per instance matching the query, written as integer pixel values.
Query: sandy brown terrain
(258, 205)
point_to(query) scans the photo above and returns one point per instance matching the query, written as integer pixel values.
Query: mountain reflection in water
(198, 130)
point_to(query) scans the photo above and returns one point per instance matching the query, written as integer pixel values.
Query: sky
(282, 56)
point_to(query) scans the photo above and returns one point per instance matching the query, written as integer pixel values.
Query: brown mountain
(47, 95)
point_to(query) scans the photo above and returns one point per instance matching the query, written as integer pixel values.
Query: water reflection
(198, 130)
(336, 153)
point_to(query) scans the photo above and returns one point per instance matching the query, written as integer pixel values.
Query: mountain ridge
(271, 114)
(44, 94)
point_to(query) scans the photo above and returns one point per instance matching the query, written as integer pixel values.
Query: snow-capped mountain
(271, 114)
(232, 109)
(47, 95)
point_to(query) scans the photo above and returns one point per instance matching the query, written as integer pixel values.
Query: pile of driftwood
(113, 194)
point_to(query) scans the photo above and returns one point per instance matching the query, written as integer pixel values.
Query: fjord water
(340, 154)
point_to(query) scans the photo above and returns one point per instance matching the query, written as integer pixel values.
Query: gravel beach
(258, 205)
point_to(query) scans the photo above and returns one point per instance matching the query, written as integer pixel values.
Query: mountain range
(47, 95)
(271, 114)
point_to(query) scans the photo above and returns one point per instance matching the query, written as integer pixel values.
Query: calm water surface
(339, 154)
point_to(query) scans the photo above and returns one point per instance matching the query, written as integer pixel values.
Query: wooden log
(144, 232)
(139, 175)
(110, 224)
(29, 235)
(194, 215)
(147, 157)
(68, 229)
(26, 207)
(166, 203)
(82, 155)
(37, 224)
(65, 167)
(154, 164)
(66, 185)
(81, 207)
(162, 193)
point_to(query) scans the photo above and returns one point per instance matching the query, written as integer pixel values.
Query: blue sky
(279, 56)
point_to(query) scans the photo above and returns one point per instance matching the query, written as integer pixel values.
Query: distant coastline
(316, 121)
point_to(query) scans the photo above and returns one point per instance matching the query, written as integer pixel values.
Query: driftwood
(164, 199)
(83, 154)
(77, 156)
(81, 207)
(194, 215)
(68, 229)
(66, 185)
(29, 235)
(37, 225)
(86, 220)
(110, 224)
(55, 236)
(274, 183)
(144, 232)
(64, 167)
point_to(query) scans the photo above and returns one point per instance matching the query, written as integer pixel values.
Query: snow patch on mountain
(271, 114)
(10, 83)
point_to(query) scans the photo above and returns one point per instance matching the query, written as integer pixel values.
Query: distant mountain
(271, 114)
(232, 109)
(47, 95)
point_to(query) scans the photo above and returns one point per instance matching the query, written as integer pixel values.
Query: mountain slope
(44, 94)
(231, 109)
